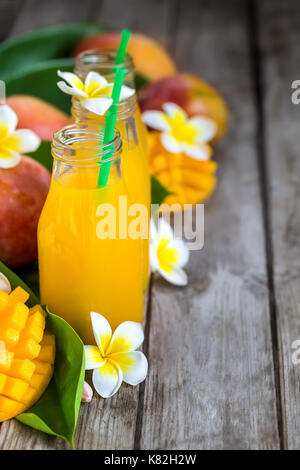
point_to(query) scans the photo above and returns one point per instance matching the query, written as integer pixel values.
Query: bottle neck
(126, 109)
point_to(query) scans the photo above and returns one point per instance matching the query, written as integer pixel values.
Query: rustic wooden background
(220, 350)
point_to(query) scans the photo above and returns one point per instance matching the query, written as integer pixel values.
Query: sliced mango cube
(9, 408)
(33, 328)
(10, 337)
(15, 388)
(37, 308)
(27, 348)
(42, 368)
(18, 295)
(6, 358)
(15, 318)
(47, 354)
(48, 339)
(38, 381)
(3, 378)
(21, 369)
(3, 300)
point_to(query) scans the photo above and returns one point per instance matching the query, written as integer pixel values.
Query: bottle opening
(103, 62)
(82, 145)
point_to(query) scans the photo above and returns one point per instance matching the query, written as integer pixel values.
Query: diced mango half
(27, 354)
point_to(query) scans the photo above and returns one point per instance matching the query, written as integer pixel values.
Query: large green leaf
(21, 52)
(41, 80)
(158, 191)
(56, 412)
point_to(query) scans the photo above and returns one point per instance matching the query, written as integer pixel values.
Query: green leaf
(158, 191)
(41, 80)
(56, 412)
(140, 81)
(43, 154)
(21, 52)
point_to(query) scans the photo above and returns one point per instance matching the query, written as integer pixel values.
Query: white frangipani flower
(115, 358)
(181, 134)
(95, 92)
(167, 254)
(4, 284)
(14, 142)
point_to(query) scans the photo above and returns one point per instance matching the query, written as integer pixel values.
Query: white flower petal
(153, 258)
(198, 152)
(87, 393)
(28, 141)
(182, 252)
(134, 366)
(170, 144)
(177, 276)
(98, 105)
(156, 119)
(4, 284)
(126, 92)
(8, 120)
(107, 379)
(165, 231)
(102, 331)
(128, 336)
(10, 159)
(207, 128)
(153, 232)
(70, 90)
(71, 79)
(93, 357)
(173, 110)
(94, 81)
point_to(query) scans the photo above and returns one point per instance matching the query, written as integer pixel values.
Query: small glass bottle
(135, 155)
(84, 264)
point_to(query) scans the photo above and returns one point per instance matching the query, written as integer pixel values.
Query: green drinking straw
(110, 124)
(122, 47)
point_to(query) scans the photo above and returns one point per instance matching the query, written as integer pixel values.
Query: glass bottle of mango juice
(135, 158)
(84, 263)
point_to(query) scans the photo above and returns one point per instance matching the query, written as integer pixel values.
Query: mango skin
(37, 115)
(23, 191)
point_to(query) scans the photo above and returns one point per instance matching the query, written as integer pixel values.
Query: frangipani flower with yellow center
(95, 92)
(115, 358)
(14, 142)
(167, 254)
(181, 134)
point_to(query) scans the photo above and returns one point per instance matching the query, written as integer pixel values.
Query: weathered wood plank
(211, 380)
(279, 28)
(8, 12)
(36, 14)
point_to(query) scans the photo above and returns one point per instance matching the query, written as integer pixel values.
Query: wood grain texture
(36, 14)
(279, 29)
(8, 11)
(211, 381)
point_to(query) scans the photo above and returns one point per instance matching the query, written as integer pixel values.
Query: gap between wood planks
(257, 74)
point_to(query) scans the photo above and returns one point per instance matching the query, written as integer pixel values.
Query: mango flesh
(27, 354)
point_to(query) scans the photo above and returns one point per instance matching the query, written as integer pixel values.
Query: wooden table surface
(220, 350)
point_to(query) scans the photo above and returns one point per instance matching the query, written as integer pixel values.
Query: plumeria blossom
(181, 134)
(87, 393)
(4, 284)
(115, 358)
(14, 142)
(167, 254)
(95, 92)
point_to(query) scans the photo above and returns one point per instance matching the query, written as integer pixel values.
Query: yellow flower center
(182, 131)
(167, 256)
